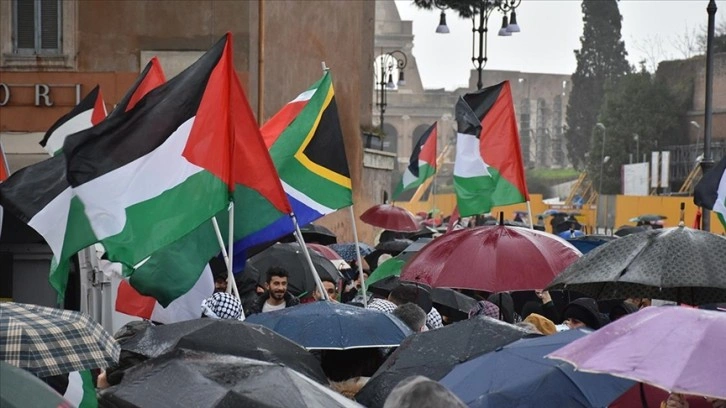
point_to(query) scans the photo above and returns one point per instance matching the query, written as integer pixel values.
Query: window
(37, 26)
(38, 34)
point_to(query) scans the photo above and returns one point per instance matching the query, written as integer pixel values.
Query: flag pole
(301, 242)
(230, 254)
(529, 211)
(231, 283)
(358, 257)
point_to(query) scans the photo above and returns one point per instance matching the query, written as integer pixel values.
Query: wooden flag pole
(358, 257)
(230, 253)
(301, 242)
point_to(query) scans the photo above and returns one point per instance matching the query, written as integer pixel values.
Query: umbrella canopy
(679, 264)
(494, 259)
(347, 250)
(314, 234)
(452, 303)
(434, 353)
(197, 379)
(224, 336)
(571, 234)
(384, 286)
(391, 218)
(330, 255)
(586, 243)
(625, 348)
(648, 218)
(48, 341)
(291, 257)
(19, 389)
(518, 375)
(394, 247)
(334, 326)
(629, 229)
(388, 269)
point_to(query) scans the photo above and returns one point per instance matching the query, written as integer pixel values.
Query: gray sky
(551, 30)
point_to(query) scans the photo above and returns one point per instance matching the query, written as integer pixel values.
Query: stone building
(540, 102)
(48, 64)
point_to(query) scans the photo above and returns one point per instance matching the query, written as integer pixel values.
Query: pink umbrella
(678, 349)
(491, 258)
(391, 218)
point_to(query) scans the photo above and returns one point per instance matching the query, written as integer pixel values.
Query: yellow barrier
(626, 207)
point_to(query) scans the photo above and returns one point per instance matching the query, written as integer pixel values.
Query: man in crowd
(402, 294)
(330, 288)
(276, 296)
(412, 315)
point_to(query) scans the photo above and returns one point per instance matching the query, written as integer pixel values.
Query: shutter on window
(49, 35)
(25, 24)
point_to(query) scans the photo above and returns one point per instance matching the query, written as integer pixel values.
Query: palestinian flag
(184, 307)
(422, 164)
(488, 168)
(710, 192)
(41, 196)
(150, 78)
(4, 168)
(306, 145)
(164, 168)
(89, 112)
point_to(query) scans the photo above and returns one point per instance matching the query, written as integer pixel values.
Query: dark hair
(276, 271)
(328, 279)
(412, 315)
(404, 294)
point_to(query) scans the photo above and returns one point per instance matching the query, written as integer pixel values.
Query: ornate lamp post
(480, 11)
(383, 70)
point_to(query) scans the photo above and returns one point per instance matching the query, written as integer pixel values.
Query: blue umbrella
(347, 250)
(518, 375)
(571, 234)
(334, 326)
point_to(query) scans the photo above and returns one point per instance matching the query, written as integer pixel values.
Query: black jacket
(255, 305)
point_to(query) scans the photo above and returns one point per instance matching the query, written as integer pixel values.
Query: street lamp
(480, 11)
(383, 70)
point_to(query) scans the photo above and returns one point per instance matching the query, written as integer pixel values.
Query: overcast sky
(551, 30)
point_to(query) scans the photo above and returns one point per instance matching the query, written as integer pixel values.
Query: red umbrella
(325, 251)
(391, 218)
(491, 258)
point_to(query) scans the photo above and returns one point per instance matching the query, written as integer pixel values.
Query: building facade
(540, 103)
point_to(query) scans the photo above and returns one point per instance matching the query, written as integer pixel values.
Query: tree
(600, 60)
(638, 105)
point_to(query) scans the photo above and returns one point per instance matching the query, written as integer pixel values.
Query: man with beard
(276, 296)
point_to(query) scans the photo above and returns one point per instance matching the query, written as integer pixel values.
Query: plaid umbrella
(47, 341)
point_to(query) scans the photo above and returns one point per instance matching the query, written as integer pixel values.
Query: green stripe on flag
(477, 195)
(201, 193)
(425, 170)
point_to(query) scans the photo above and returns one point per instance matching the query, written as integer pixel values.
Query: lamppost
(707, 161)
(383, 70)
(602, 165)
(480, 11)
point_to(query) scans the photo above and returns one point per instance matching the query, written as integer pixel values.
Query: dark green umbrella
(19, 388)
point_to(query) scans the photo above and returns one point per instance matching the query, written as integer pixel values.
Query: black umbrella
(452, 303)
(629, 229)
(679, 264)
(198, 379)
(395, 246)
(291, 257)
(314, 234)
(434, 353)
(226, 337)
(384, 287)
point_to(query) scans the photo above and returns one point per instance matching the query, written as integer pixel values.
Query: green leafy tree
(601, 60)
(638, 105)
